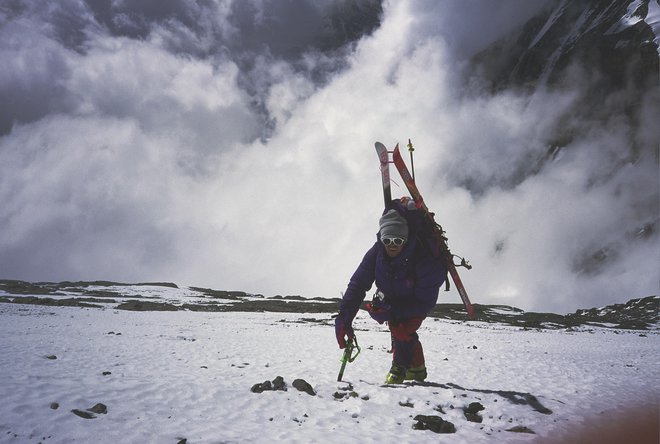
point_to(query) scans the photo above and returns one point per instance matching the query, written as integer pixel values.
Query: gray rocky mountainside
(604, 54)
(610, 40)
(638, 314)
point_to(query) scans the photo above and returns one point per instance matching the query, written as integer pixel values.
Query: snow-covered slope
(103, 375)
(159, 363)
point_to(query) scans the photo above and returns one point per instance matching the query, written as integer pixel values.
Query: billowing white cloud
(252, 167)
(468, 27)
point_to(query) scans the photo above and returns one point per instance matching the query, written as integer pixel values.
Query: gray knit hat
(392, 224)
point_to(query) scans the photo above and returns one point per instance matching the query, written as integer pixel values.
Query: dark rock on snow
(521, 429)
(433, 423)
(260, 388)
(279, 384)
(89, 413)
(471, 412)
(83, 414)
(304, 386)
(99, 408)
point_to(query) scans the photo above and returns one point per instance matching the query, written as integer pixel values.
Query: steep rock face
(605, 50)
(610, 39)
(604, 55)
(635, 314)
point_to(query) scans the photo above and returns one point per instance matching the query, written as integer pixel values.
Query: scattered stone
(304, 386)
(351, 394)
(347, 387)
(51, 357)
(521, 429)
(433, 423)
(99, 408)
(106, 373)
(473, 417)
(260, 388)
(54, 405)
(82, 414)
(276, 384)
(475, 407)
(471, 412)
(406, 404)
(182, 441)
(279, 384)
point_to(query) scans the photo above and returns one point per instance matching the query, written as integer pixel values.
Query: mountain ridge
(636, 314)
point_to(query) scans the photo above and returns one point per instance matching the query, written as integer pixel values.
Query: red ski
(437, 231)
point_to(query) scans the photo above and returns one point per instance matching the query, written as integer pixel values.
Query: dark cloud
(287, 29)
(136, 18)
(248, 34)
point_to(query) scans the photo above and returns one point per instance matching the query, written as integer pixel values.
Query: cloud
(32, 69)
(201, 143)
(468, 27)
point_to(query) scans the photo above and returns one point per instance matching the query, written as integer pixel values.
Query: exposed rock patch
(304, 386)
(99, 409)
(433, 423)
(471, 412)
(638, 314)
(278, 384)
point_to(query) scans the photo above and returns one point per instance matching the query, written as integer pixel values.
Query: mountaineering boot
(395, 375)
(416, 373)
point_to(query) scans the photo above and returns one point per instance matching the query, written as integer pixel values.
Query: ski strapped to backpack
(437, 233)
(384, 157)
(348, 356)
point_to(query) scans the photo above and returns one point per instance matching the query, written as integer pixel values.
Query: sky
(229, 144)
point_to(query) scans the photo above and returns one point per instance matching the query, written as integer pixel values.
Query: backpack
(430, 236)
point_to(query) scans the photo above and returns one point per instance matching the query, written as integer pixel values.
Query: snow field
(175, 375)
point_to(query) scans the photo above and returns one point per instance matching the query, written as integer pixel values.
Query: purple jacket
(410, 282)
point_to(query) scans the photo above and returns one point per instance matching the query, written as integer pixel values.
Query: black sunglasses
(396, 241)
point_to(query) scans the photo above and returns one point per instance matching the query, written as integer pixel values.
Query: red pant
(406, 348)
